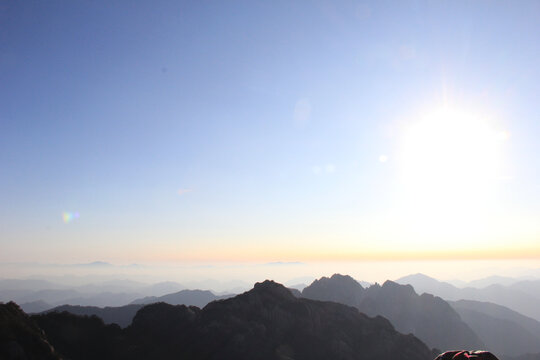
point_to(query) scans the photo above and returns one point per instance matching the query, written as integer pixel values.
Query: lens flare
(68, 217)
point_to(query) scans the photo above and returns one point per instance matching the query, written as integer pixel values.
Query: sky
(176, 132)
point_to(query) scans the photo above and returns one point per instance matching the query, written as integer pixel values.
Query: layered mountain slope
(121, 315)
(35, 306)
(520, 297)
(530, 287)
(20, 337)
(81, 337)
(429, 318)
(498, 312)
(267, 322)
(504, 331)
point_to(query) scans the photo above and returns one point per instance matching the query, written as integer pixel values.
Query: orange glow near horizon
(287, 255)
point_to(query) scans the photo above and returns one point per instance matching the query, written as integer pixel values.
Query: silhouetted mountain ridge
(197, 298)
(20, 337)
(267, 322)
(522, 296)
(121, 315)
(426, 316)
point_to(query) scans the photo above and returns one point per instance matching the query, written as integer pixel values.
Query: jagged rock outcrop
(339, 288)
(80, 337)
(429, 318)
(20, 337)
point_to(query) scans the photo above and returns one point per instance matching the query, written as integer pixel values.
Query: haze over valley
(438, 322)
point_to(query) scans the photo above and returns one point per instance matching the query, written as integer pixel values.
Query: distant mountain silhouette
(163, 288)
(429, 318)
(298, 287)
(504, 331)
(35, 306)
(267, 322)
(121, 315)
(498, 312)
(39, 295)
(519, 297)
(197, 298)
(55, 297)
(34, 284)
(425, 284)
(20, 337)
(530, 287)
(297, 293)
(492, 280)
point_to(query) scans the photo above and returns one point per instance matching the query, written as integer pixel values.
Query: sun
(450, 162)
(451, 148)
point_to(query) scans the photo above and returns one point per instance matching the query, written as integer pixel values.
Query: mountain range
(429, 318)
(197, 298)
(267, 322)
(521, 296)
(440, 324)
(36, 295)
(121, 315)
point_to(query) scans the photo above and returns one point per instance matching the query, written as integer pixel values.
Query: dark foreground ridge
(20, 337)
(267, 322)
(120, 315)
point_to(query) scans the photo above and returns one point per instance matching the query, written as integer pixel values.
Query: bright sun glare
(450, 162)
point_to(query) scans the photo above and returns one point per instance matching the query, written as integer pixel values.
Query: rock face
(20, 337)
(80, 337)
(429, 318)
(267, 322)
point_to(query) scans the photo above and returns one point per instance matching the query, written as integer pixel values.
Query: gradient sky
(215, 131)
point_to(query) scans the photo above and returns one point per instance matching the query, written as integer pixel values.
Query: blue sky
(273, 114)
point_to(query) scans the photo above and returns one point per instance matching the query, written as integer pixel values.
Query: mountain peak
(266, 322)
(343, 280)
(417, 276)
(407, 311)
(20, 337)
(338, 288)
(272, 288)
(393, 286)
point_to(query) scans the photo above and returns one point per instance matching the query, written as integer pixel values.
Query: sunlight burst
(450, 162)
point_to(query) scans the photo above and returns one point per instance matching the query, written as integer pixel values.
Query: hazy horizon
(225, 274)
